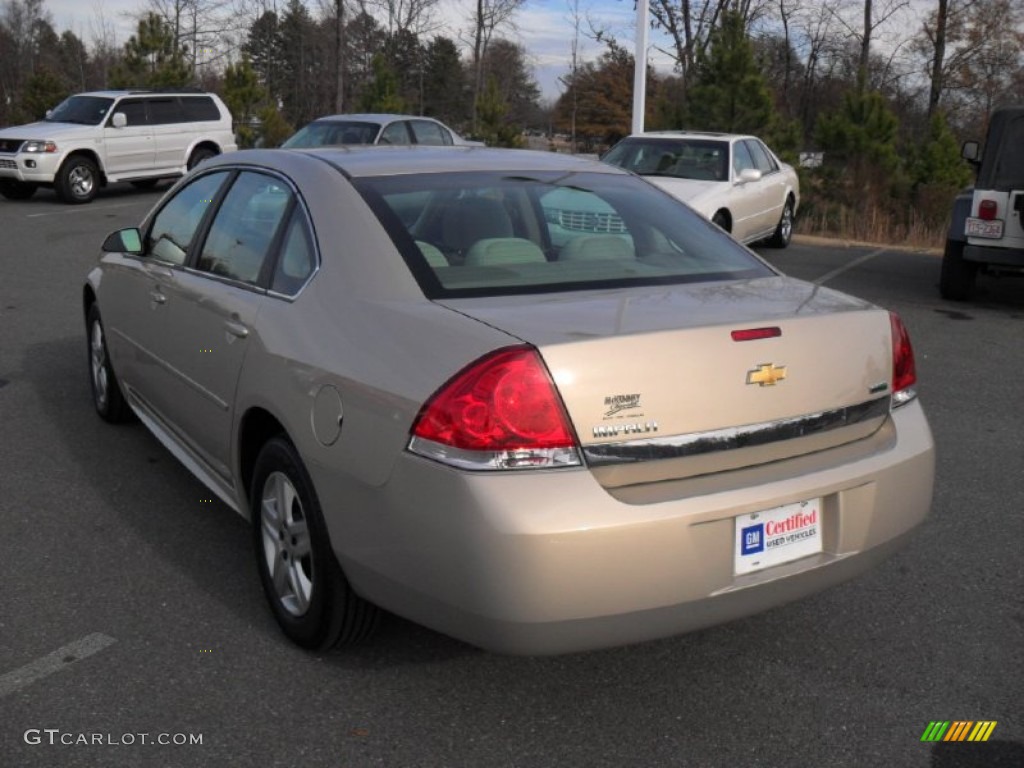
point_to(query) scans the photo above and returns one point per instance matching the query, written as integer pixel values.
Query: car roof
(114, 93)
(689, 135)
(375, 117)
(360, 160)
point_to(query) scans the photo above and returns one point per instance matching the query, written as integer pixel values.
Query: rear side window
(164, 111)
(198, 109)
(430, 133)
(297, 260)
(175, 226)
(396, 133)
(244, 228)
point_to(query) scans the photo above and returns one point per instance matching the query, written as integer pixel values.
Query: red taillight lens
(988, 209)
(505, 402)
(904, 373)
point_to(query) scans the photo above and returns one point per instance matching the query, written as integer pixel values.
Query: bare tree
(488, 15)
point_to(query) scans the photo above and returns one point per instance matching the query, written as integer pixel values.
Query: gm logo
(752, 539)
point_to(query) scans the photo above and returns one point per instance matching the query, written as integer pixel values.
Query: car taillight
(987, 209)
(904, 373)
(500, 412)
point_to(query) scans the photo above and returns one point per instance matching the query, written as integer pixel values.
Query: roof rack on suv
(187, 89)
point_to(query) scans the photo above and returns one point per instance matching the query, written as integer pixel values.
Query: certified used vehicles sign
(777, 536)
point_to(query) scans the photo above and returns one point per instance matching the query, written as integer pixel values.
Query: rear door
(171, 134)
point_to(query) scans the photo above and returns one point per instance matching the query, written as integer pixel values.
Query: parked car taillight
(987, 209)
(904, 372)
(500, 412)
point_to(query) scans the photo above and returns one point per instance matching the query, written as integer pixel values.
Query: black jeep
(987, 231)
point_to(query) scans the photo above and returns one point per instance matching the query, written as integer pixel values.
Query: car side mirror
(124, 241)
(971, 152)
(748, 175)
(119, 120)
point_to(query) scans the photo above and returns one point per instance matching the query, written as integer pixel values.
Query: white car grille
(5, 163)
(586, 221)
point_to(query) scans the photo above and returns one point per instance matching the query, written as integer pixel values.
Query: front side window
(762, 160)
(134, 111)
(174, 227)
(491, 233)
(742, 159)
(244, 227)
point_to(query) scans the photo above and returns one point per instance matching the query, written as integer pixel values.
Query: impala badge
(766, 375)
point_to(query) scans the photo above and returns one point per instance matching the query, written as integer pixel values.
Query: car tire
(956, 280)
(77, 180)
(199, 155)
(308, 593)
(106, 390)
(721, 221)
(17, 190)
(145, 183)
(784, 230)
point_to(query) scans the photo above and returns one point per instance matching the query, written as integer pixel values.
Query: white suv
(93, 139)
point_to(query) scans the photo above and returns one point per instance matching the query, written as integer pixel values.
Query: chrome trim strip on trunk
(731, 438)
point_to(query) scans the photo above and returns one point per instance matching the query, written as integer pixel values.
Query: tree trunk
(865, 49)
(339, 56)
(935, 93)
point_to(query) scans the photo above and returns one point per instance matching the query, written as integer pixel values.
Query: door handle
(158, 297)
(236, 329)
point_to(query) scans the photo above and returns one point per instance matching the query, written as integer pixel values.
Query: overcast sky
(544, 28)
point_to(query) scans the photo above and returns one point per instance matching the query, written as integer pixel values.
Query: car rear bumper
(1007, 257)
(544, 563)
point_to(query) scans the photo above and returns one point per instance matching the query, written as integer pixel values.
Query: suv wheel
(956, 280)
(199, 155)
(16, 190)
(77, 180)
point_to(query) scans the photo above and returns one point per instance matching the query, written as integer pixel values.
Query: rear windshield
(486, 233)
(84, 110)
(1009, 170)
(325, 133)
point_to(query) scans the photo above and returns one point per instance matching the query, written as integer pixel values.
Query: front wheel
(956, 281)
(17, 190)
(77, 180)
(308, 593)
(106, 392)
(784, 231)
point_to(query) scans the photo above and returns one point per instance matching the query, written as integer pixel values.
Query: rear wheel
(308, 593)
(956, 281)
(199, 155)
(784, 231)
(17, 190)
(77, 180)
(106, 392)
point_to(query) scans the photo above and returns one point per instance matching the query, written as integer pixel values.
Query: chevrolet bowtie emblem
(766, 375)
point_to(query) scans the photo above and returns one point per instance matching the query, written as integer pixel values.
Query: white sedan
(735, 181)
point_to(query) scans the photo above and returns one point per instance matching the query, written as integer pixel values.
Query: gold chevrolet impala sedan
(528, 400)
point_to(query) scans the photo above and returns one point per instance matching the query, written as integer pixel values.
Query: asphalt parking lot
(130, 612)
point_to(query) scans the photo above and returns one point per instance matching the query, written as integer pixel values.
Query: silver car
(383, 129)
(525, 399)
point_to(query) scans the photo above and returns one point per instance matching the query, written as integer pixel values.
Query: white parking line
(60, 659)
(85, 209)
(856, 262)
(850, 265)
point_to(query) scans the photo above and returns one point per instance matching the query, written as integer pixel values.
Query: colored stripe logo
(958, 730)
